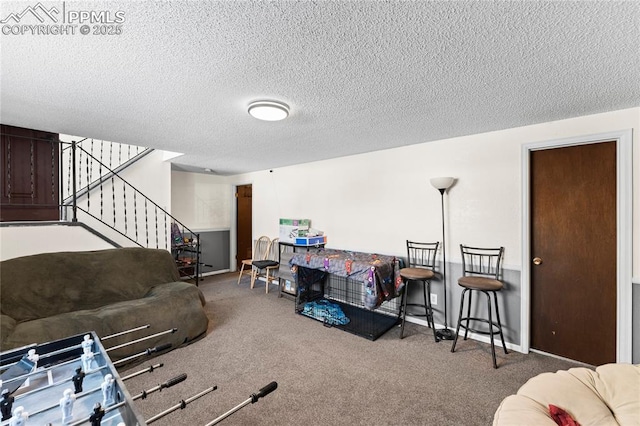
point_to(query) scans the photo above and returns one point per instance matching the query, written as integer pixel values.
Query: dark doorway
(573, 250)
(243, 221)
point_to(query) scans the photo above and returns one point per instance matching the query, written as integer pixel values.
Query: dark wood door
(243, 221)
(573, 250)
(29, 176)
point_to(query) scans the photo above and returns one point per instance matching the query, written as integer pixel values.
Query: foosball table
(73, 381)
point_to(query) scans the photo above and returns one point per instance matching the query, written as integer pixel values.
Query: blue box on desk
(290, 229)
(311, 241)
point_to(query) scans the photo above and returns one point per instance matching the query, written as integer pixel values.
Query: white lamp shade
(269, 110)
(442, 182)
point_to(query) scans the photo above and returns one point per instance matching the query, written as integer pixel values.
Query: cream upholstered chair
(271, 261)
(259, 252)
(608, 395)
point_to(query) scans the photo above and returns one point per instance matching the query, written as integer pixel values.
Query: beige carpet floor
(326, 376)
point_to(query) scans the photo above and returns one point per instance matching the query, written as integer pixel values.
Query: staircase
(95, 194)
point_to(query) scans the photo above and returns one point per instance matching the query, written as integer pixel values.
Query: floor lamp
(442, 184)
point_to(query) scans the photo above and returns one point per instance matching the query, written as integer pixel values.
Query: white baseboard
(562, 358)
(470, 335)
(222, 271)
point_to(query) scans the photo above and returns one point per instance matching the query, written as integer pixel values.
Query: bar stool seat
(421, 260)
(480, 283)
(417, 274)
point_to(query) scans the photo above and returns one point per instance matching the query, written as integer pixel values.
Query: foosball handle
(174, 381)
(264, 392)
(159, 348)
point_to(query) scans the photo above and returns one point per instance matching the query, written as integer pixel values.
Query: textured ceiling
(358, 75)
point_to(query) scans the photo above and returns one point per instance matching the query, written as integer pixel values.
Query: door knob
(537, 261)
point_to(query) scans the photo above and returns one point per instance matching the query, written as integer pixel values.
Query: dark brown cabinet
(30, 174)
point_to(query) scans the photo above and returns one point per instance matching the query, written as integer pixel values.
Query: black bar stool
(421, 259)
(481, 269)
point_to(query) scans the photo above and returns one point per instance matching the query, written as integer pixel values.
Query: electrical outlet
(434, 299)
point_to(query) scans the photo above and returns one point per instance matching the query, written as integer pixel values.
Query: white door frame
(624, 224)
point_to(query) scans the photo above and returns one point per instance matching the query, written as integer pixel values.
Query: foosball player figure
(6, 404)
(33, 357)
(88, 361)
(66, 405)
(19, 417)
(87, 344)
(96, 417)
(77, 380)
(108, 391)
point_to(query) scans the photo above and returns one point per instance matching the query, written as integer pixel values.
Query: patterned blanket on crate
(379, 274)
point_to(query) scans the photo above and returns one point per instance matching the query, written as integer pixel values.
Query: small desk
(286, 280)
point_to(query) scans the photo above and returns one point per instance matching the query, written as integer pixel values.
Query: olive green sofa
(50, 296)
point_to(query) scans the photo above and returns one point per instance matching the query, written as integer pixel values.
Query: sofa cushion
(170, 305)
(50, 284)
(619, 386)
(518, 410)
(7, 324)
(572, 390)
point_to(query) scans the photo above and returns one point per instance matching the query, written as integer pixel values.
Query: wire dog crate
(338, 302)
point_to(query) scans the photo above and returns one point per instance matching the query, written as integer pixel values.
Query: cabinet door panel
(30, 174)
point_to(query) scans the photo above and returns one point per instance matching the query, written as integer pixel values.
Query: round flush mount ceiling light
(268, 110)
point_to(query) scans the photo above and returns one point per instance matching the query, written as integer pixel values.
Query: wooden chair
(259, 252)
(271, 261)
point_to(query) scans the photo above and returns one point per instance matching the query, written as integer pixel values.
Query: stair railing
(121, 207)
(116, 156)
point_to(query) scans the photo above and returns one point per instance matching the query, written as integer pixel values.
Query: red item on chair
(561, 417)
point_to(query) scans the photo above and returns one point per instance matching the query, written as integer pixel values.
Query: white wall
(201, 202)
(373, 202)
(16, 241)
(152, 177)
